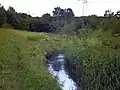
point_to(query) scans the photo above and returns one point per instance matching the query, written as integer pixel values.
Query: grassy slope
(22, 62)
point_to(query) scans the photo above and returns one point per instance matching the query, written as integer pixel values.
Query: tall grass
(94, 59)
(22, 63)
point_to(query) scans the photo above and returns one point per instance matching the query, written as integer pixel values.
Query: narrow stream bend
(56, 66)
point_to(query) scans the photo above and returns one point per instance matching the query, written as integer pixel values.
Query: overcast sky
(39, 7)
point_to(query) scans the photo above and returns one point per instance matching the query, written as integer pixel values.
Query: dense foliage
(3, 16)
(62, 21)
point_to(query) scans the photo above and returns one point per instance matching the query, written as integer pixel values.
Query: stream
(56, 66)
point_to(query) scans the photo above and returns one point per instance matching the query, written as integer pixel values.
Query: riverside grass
(95, 59)
(22, 65)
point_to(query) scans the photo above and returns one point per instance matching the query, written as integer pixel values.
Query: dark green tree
(46, 18)
(109, 14)
(13, 19)
(24, 16)
(68, 13)
(117, 14)
(57, 12)
(63, 13)
(3, 16)
(25, 20)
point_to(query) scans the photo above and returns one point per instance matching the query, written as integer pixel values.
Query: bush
(112, 24)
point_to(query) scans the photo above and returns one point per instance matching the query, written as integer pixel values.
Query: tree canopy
(63, 13)
(3, 16)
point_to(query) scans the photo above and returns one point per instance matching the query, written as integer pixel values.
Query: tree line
(63, 20)
(27, 22)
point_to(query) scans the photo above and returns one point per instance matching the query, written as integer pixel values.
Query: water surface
(56, 66)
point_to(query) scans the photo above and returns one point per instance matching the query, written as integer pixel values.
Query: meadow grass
(22, 63)
(94, 58)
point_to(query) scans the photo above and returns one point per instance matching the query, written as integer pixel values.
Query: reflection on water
(57, 69)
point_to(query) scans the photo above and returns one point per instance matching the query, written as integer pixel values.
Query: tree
(117, 14)
(46, 18)
(3, 16)
(63, 13)
(68, 13)
(24, 16)
(13, 18)
(109, 13)
(25, 20)
(57, 12)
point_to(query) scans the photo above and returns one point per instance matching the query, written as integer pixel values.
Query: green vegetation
(96, 61)
(22, 62)
(3, 16)
(94, 58)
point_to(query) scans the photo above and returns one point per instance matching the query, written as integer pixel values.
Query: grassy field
(22, 62)
(94, 57)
